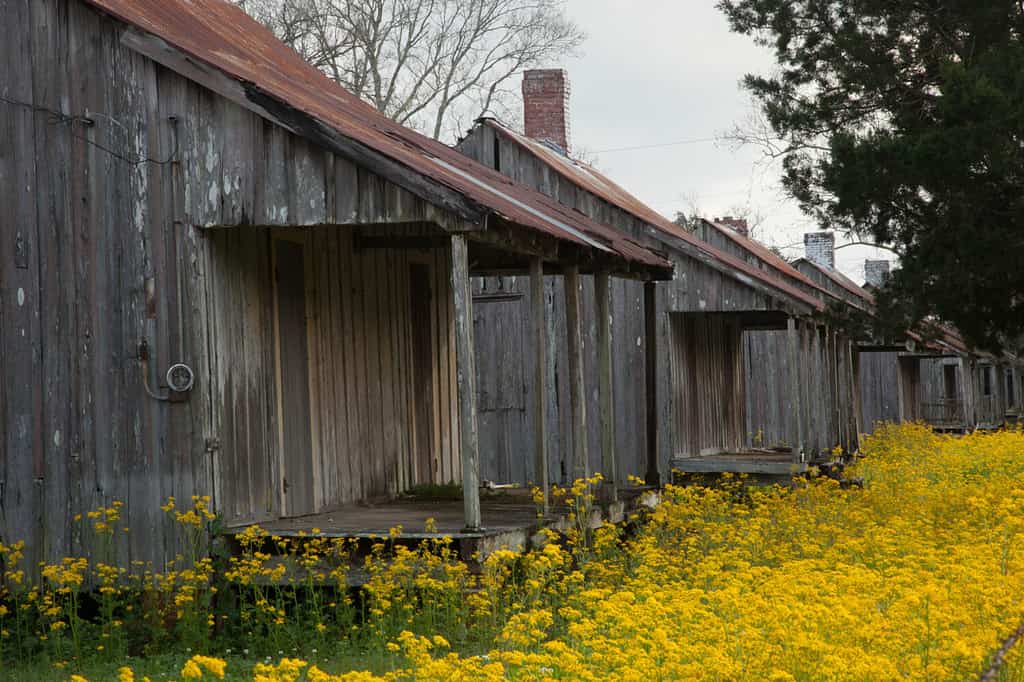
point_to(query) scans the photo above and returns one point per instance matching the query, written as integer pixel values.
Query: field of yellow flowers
(919, 574)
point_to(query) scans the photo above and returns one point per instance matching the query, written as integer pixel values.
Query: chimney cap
(544, 73)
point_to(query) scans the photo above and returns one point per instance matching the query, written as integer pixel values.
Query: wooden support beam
(967, 388)
(999, 391)
(540, 352)
(815, 430)
(577, 386)
(841, 394)
(609, 469)
(793, 334)
(466, 378)
(901, 392)
(856, 415)
(653, 476)
(1015, 386)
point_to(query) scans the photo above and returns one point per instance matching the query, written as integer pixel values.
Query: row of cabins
(933, 376)
(222, 274)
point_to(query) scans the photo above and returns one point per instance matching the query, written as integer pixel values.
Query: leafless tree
(432, 64)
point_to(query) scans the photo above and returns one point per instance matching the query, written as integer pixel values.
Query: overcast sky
(660, 71)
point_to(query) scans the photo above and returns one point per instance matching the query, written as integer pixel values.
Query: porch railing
(942, 412)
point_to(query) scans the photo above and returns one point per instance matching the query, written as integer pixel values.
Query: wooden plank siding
(769, 399)
(829, 412)
(506, 376)
(362, 381)
(707, 383)
(104, 258)
(942, 391)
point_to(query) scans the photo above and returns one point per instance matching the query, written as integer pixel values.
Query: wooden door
(421, 299)
(295, 423)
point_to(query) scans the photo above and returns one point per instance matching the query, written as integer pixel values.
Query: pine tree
(902, 122)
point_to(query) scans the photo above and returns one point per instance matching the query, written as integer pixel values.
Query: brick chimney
(737, 224)
(820, 248)
(876, 272)
(546, 106)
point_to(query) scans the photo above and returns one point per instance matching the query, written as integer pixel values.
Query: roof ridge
(647, 214)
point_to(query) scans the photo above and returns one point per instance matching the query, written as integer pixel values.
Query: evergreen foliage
(903, 122)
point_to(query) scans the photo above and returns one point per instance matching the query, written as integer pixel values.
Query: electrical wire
(145, 383)
(695, 140)
(60, 118)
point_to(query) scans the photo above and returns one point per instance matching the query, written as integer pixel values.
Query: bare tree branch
(430, 64)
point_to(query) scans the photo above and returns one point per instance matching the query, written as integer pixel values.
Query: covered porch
(763, 393)
(942, 392)
(346, 374)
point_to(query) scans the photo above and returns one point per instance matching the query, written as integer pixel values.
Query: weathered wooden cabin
(991, 391)
(907, 379)
(222, 274)
(692, 408)
(826, 362)
(952, 387)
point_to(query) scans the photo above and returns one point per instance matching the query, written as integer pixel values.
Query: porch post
(1015, 382)
(466, 377)
(837, 430)
(901, 399)
(967, 388)
(604, 369)
(540, 345)
(653, 476)
(999, 379)
(815, 429)
(857, 415)
(577, 387)
(793, 334)
(1018, 387)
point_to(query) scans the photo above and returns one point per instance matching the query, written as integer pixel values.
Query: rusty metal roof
(842, 281)
(763, 253)
(215, 33)
(592, 180)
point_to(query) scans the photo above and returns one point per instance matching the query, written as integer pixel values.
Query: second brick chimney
(820, 248)
(546, 106)
(876, 272)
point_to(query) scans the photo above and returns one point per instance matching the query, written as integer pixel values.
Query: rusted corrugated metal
(595, 182)
(763, 253)
(269, 75)
(841, 281)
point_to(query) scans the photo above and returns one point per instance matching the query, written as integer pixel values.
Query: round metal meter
(180, 378)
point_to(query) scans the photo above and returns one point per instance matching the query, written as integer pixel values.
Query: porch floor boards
(500, 515)
(757, 462)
